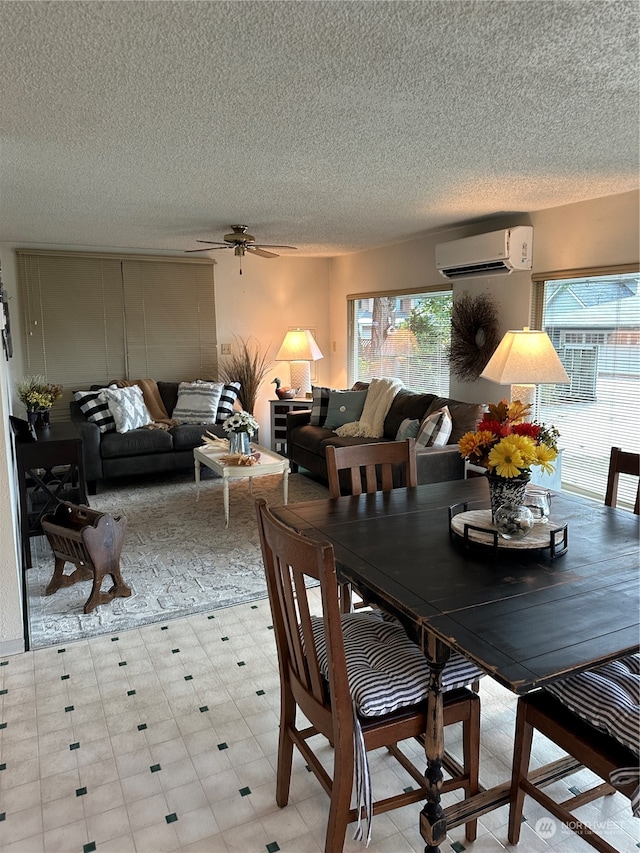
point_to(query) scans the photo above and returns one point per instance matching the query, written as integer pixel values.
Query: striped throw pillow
(96, 409)
(197, 402)
(435, 430)
(227, 399)
(319, 405)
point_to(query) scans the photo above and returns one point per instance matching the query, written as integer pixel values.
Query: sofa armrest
(440, 464)
(90, 435)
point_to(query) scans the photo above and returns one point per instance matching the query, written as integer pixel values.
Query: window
(90, 318)
(401, 335)
(593, 319)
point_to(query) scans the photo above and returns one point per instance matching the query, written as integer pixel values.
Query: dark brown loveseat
(306, 444)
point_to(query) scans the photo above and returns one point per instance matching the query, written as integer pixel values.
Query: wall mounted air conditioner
(496, 253)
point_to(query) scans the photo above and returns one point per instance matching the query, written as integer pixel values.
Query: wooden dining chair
(622, 462)
(593, 717)
(371, 467)
(358, 680)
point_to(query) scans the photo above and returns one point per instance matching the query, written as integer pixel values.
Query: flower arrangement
(506, 445)
(241, 422)
(37, 394)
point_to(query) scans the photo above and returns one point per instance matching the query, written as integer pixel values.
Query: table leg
(285, 485)
(225, 499)
(433, 823)
(197, 472)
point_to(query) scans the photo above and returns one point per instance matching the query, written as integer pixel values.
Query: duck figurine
(284, 393)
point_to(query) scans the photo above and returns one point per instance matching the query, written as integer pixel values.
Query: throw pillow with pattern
(435, 429)
(198, 402)
(96, 409)
(227, 401)
(127, 407)
(319, 405)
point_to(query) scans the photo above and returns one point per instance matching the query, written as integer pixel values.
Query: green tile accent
(3, 815)
(131, 692)
(458, 846)
(307, 768)
(269, 627)
(80, 792)
(69, 708)
(171, 818)
(3, 766)
(4, 692)
(223, 745)
(188, 678)
(3, 725)
(175, 651)
(204, 708)
(408, 788)
(574, 790)
(89, 848)
(273, 847)
(64, 677)
(155, 767)
(259, 692)
(122, 663)
(75, 745)
(61, 651)
(211, 617)
(224, 639)
(244, 792)
(142, 727)
(254, 606)
(164, 628)
(241, 663)
(4, 663)
(115, 639)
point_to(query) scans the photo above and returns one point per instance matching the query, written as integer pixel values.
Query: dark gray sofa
(108, 455)
(306, 444)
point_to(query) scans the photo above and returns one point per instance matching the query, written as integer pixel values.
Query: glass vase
(239, 443)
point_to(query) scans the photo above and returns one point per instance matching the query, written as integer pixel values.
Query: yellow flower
(517, 411)
(475, 443)
(544, 456)
(527, 448)
(506, 458)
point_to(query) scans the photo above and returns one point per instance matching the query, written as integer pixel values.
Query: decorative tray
(475, 527)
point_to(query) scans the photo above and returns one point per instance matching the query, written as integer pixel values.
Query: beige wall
(272, 295)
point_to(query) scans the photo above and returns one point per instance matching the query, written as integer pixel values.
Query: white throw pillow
(127, 407)
(198, 402)
(435, 430)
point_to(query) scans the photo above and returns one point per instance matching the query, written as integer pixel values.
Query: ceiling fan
(241, 242)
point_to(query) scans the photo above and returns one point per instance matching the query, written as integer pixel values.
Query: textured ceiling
(332, 126)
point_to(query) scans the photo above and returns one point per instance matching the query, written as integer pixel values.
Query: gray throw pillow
(344, 407)
(409, 428)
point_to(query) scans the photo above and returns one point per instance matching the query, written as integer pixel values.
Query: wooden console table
(50, 470)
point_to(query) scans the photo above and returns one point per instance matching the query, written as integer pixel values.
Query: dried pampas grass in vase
(248, 366)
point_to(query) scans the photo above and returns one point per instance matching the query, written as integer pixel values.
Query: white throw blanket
(378, 402)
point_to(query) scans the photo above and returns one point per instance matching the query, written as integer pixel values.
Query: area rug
(177, 557)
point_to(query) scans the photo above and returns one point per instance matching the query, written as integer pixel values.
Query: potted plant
(248, 366)
(38, 396)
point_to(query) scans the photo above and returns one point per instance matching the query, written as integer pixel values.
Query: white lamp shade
(299, 345)
(525, 357)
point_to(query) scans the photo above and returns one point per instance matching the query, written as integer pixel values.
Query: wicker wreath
(474, 335)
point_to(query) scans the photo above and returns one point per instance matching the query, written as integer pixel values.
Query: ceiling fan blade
(214, 243)
(261, 252)
(272, 246)
(208, 248)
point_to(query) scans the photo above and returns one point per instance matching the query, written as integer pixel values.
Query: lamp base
(300, 376)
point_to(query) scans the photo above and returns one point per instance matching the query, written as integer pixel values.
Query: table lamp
(524, 359)
(299, 348)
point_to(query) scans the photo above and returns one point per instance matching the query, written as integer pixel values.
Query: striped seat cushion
(609, 699)
(386, 670)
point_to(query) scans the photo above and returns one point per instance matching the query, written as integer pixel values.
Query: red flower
(529, 429)
(495, 427)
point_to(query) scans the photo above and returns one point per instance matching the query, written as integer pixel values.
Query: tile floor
(164, 739)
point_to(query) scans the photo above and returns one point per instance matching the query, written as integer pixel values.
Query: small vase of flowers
(38, 396)
(508, 447)
(240, 426)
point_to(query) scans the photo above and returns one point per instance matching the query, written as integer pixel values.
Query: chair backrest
(621, 462)
(289, 560)
(371, 466)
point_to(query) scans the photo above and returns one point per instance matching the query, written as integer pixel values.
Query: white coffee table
(269, 463)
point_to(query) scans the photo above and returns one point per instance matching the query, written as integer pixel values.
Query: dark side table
(50, 470)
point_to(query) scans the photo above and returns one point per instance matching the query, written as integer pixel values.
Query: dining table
(526, 613)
